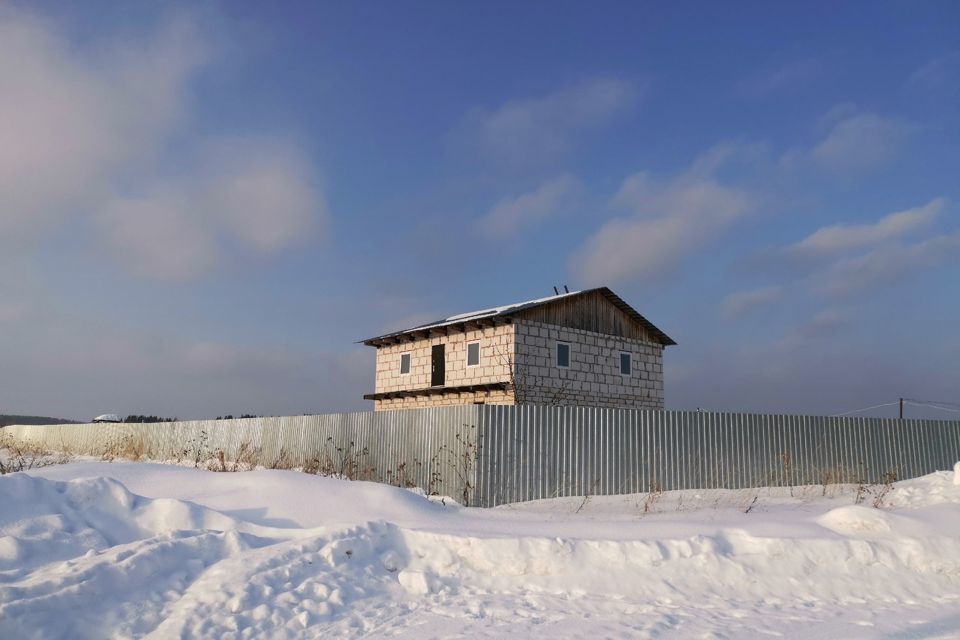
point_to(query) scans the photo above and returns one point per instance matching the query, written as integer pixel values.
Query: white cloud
(841, 237)
(512, 215)
(96, 368)
(158, 235)
(887, 264)
(535, 129)
(824, 324)
(788, 77)
(856, 143)
(70, 120)
(738, 303)
(14, 312)
(265, 196)
(939, 74)
(260, 197)
(845, 259)
(85, 132)
(673, 218)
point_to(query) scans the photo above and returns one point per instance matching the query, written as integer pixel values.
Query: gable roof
(496, 315)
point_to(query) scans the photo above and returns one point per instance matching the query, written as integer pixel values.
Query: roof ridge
(506, 310)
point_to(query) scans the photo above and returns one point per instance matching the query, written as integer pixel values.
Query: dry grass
(17, 455)
(128, 447)
(653, 496)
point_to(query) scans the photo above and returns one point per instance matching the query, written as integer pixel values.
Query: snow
(483, 313)
(97, 549)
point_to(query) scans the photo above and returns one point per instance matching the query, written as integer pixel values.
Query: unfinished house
(587, 348)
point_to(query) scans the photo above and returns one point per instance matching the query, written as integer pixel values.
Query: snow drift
(94, 550)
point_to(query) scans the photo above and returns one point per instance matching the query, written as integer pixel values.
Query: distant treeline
(159, 419)
(9, 419)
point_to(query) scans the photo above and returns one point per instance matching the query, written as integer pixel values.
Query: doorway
(438, 366)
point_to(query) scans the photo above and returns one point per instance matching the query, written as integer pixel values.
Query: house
(585, 348)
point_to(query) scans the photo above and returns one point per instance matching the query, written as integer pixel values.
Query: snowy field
(120, 550)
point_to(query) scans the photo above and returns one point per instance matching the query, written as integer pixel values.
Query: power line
(937, 402)
(943, 405)
(876, 406)
(933, 406)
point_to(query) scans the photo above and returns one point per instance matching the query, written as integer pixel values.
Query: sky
(203, 207)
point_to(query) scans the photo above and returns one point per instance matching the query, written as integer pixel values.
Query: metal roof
(511, 309)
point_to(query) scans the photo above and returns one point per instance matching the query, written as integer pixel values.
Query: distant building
(586, 348)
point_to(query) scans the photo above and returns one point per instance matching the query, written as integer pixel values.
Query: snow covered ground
(98, 550)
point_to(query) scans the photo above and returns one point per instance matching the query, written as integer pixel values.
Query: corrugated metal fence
(403, 448)
(498, 454)
(533, 452)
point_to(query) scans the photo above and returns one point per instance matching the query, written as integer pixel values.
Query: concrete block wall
(496, 353)
(445, 400)
(593, 377)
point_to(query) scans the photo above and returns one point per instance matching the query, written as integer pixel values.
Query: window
(563, 354)
(404, 364)
(626, 366)
(473, 354)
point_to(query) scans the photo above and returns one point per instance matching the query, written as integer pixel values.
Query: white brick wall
(444, 400)
(496, 349)
(593, 377)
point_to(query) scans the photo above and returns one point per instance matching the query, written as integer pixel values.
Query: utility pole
(901, 408)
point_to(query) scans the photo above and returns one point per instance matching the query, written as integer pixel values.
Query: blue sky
(204, 207)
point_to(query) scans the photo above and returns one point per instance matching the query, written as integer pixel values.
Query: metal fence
(533, 452)
(404, 448)
(490, 455)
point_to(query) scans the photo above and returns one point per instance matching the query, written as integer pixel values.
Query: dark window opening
(625, 364)
(563, 354)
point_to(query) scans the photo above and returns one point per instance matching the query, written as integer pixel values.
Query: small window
(626, 366)
(473, 354)
(563, 354)
(404, 364)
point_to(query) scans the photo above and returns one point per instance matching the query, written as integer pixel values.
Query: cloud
(860, 142)
(158, 235)
(840, 237)
(14, 312)
(531, 130)
(88, 368)
(263, 192)
(87, 130)
(788, 77)
(512, 215)
(842, 260)
(672, 219)
(806, 376)
(70, 120)
(259, 196)
(938, 75)
(739, 303)
(822, 249)
(824, 324)
(887, 264)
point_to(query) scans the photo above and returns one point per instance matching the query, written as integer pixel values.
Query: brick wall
(593, 377)
(445, 400)
(496, 353)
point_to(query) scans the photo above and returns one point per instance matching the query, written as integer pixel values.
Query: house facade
(587, 348)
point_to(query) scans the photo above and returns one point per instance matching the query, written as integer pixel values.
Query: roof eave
(425, 331)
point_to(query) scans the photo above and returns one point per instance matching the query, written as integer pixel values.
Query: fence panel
(492, 455)
(699, 450)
